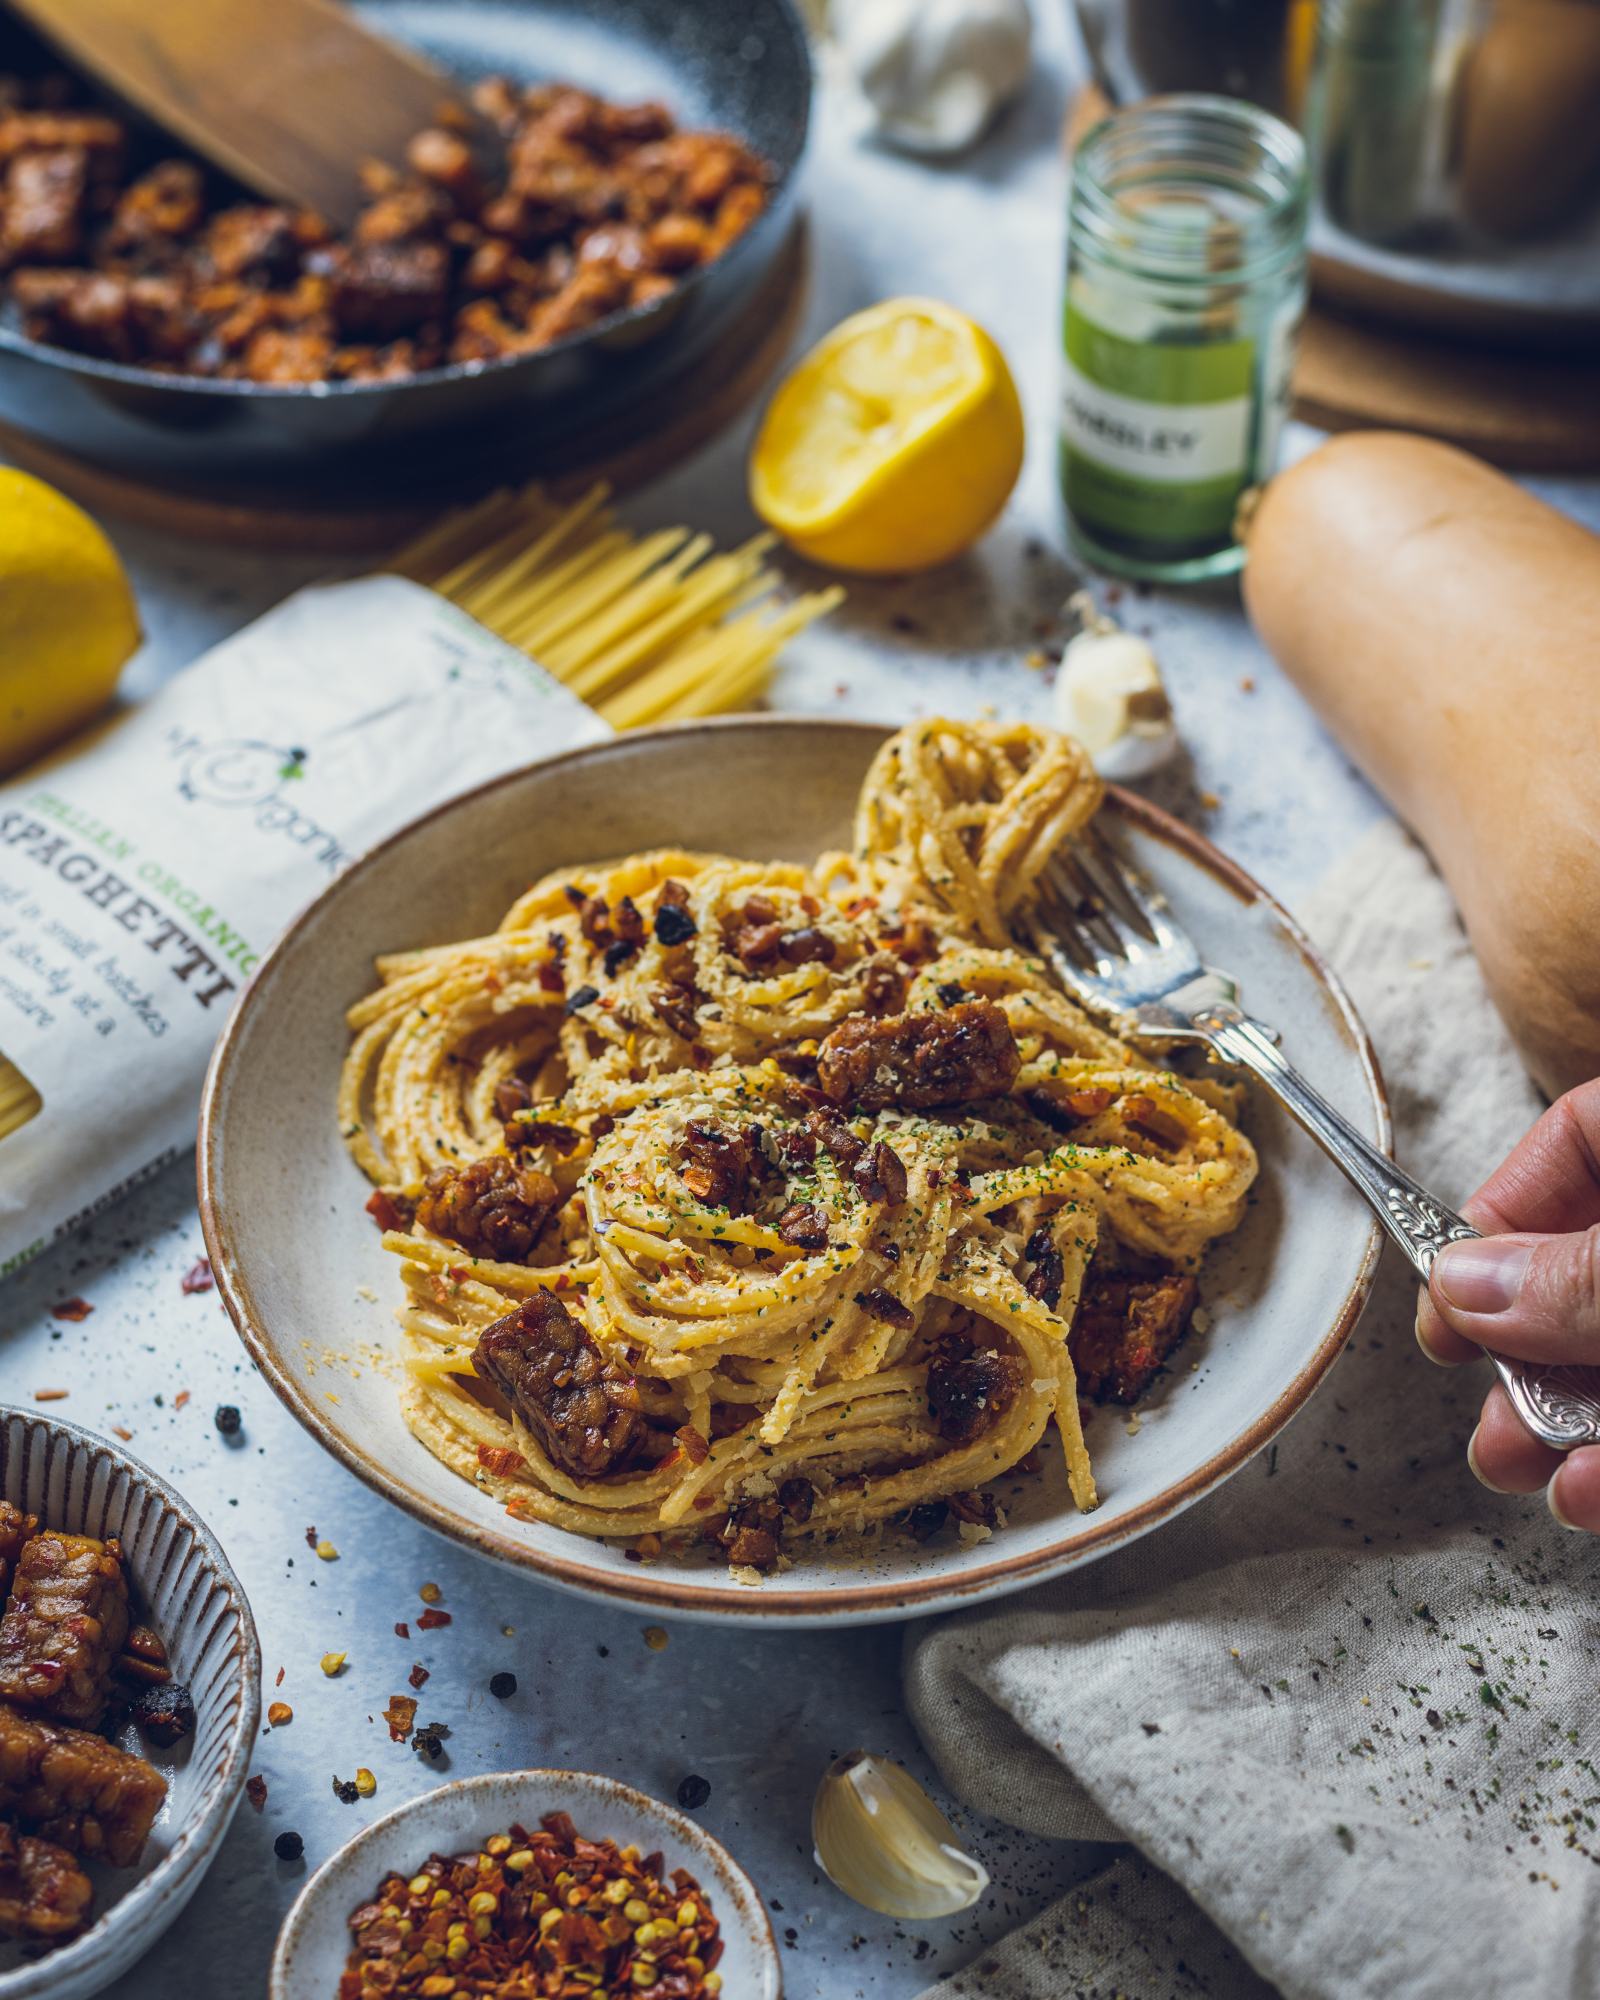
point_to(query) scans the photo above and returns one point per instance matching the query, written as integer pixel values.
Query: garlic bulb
(882, 1840)
(936, 72)
(1109, 695)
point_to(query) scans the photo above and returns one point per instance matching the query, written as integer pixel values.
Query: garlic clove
(883, 1841)
(936, 73)
(1109, 695)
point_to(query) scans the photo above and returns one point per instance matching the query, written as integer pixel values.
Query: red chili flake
(417, 1675)
(278, 1683)
(311, 1538)
(694, 1447)
(430, 1618)
(198, 1277)
(73, 1308)
(459, 1274)
(704, 1501)
(51, 1395)
(386, 1211)
(400, 1715)
(255, 1790)
(500, 1459)
(121, 1431)
(180, 1399)
(402, 1630)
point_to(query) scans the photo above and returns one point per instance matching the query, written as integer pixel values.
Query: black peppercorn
(502, 1686)
(693, 1792)
(288, 1847)
(228, 1420)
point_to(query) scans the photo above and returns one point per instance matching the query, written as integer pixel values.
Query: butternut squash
(1445, 625)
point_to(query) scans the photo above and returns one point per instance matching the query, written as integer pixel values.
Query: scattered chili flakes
(278, 1678)
(73, 1308)
(431, 1620)
(180, 1399)
(198, 1277)
(326, 1552)
(255, 1790)
(122, 1431)
(655, 1638)
(500, 1460)
(345, 1790)
(430, 1593)
(418, 1675)
(550, 1911)
(278, 1713)
(333, 1663)
(402, 1630)
(311, 1538)
(366, 1783)
(401, 1714)
(50, 1395)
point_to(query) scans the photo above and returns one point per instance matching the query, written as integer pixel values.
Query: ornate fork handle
(1561, 1406)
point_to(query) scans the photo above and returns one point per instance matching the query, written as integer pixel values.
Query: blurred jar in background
(1185, 285)
(1455, 144)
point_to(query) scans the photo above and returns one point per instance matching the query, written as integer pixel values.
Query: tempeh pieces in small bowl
(64, 1627)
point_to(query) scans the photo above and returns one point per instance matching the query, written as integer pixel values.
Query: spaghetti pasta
(643, 631)
(817, 1166)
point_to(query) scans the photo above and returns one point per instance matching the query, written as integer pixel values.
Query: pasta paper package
(145, 871)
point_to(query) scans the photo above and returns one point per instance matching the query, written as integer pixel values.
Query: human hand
(1530, 1289)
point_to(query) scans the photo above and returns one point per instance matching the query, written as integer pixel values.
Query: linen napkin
(1345, 1709)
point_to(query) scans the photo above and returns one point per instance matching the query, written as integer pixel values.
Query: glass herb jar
(1186, 282)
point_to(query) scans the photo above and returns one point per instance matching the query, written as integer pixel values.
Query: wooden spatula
(288, 96)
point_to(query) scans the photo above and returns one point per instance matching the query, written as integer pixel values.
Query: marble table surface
(757, 1714)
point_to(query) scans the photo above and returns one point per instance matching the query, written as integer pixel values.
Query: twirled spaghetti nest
(591, 1045)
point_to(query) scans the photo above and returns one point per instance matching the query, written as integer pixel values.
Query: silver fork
(1115, 945)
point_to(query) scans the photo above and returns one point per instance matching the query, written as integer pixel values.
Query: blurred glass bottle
(1185, 285)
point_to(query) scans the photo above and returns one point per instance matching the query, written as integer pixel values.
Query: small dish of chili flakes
(453, 1897)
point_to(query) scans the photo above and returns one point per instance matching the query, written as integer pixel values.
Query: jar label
(1155, 436)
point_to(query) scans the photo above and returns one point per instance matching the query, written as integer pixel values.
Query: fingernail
(1483, 1274)
(1477, 1470)
(1551, 1503)
(1438, 1360)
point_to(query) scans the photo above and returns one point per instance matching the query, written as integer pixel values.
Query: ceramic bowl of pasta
(129, 1702)
(664, 1170)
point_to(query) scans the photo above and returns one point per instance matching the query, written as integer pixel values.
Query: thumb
(1534, 1297)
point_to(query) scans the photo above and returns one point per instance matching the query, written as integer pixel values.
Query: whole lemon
(893, 444)
(68, 621)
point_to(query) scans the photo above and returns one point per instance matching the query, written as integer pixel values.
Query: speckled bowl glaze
(302, 1271)
(183, 1587)
(458, 1818)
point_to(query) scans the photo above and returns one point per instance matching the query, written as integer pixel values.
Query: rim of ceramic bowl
(891, 1597)
(739, 1897)
(179, 1872)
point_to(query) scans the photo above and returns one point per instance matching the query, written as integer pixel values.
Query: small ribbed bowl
(184, 1587)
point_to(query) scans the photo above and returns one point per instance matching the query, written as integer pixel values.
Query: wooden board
(626, 451)
(1536, 411)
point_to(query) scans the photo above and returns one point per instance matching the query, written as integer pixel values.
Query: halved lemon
(893, 444)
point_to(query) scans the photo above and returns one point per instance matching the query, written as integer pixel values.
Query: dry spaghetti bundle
(144, 871)
(811, 1167)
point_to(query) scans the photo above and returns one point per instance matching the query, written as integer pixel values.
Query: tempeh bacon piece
(16, 1528)
(64, 1626)
(77, 1790)
(43, 1891)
